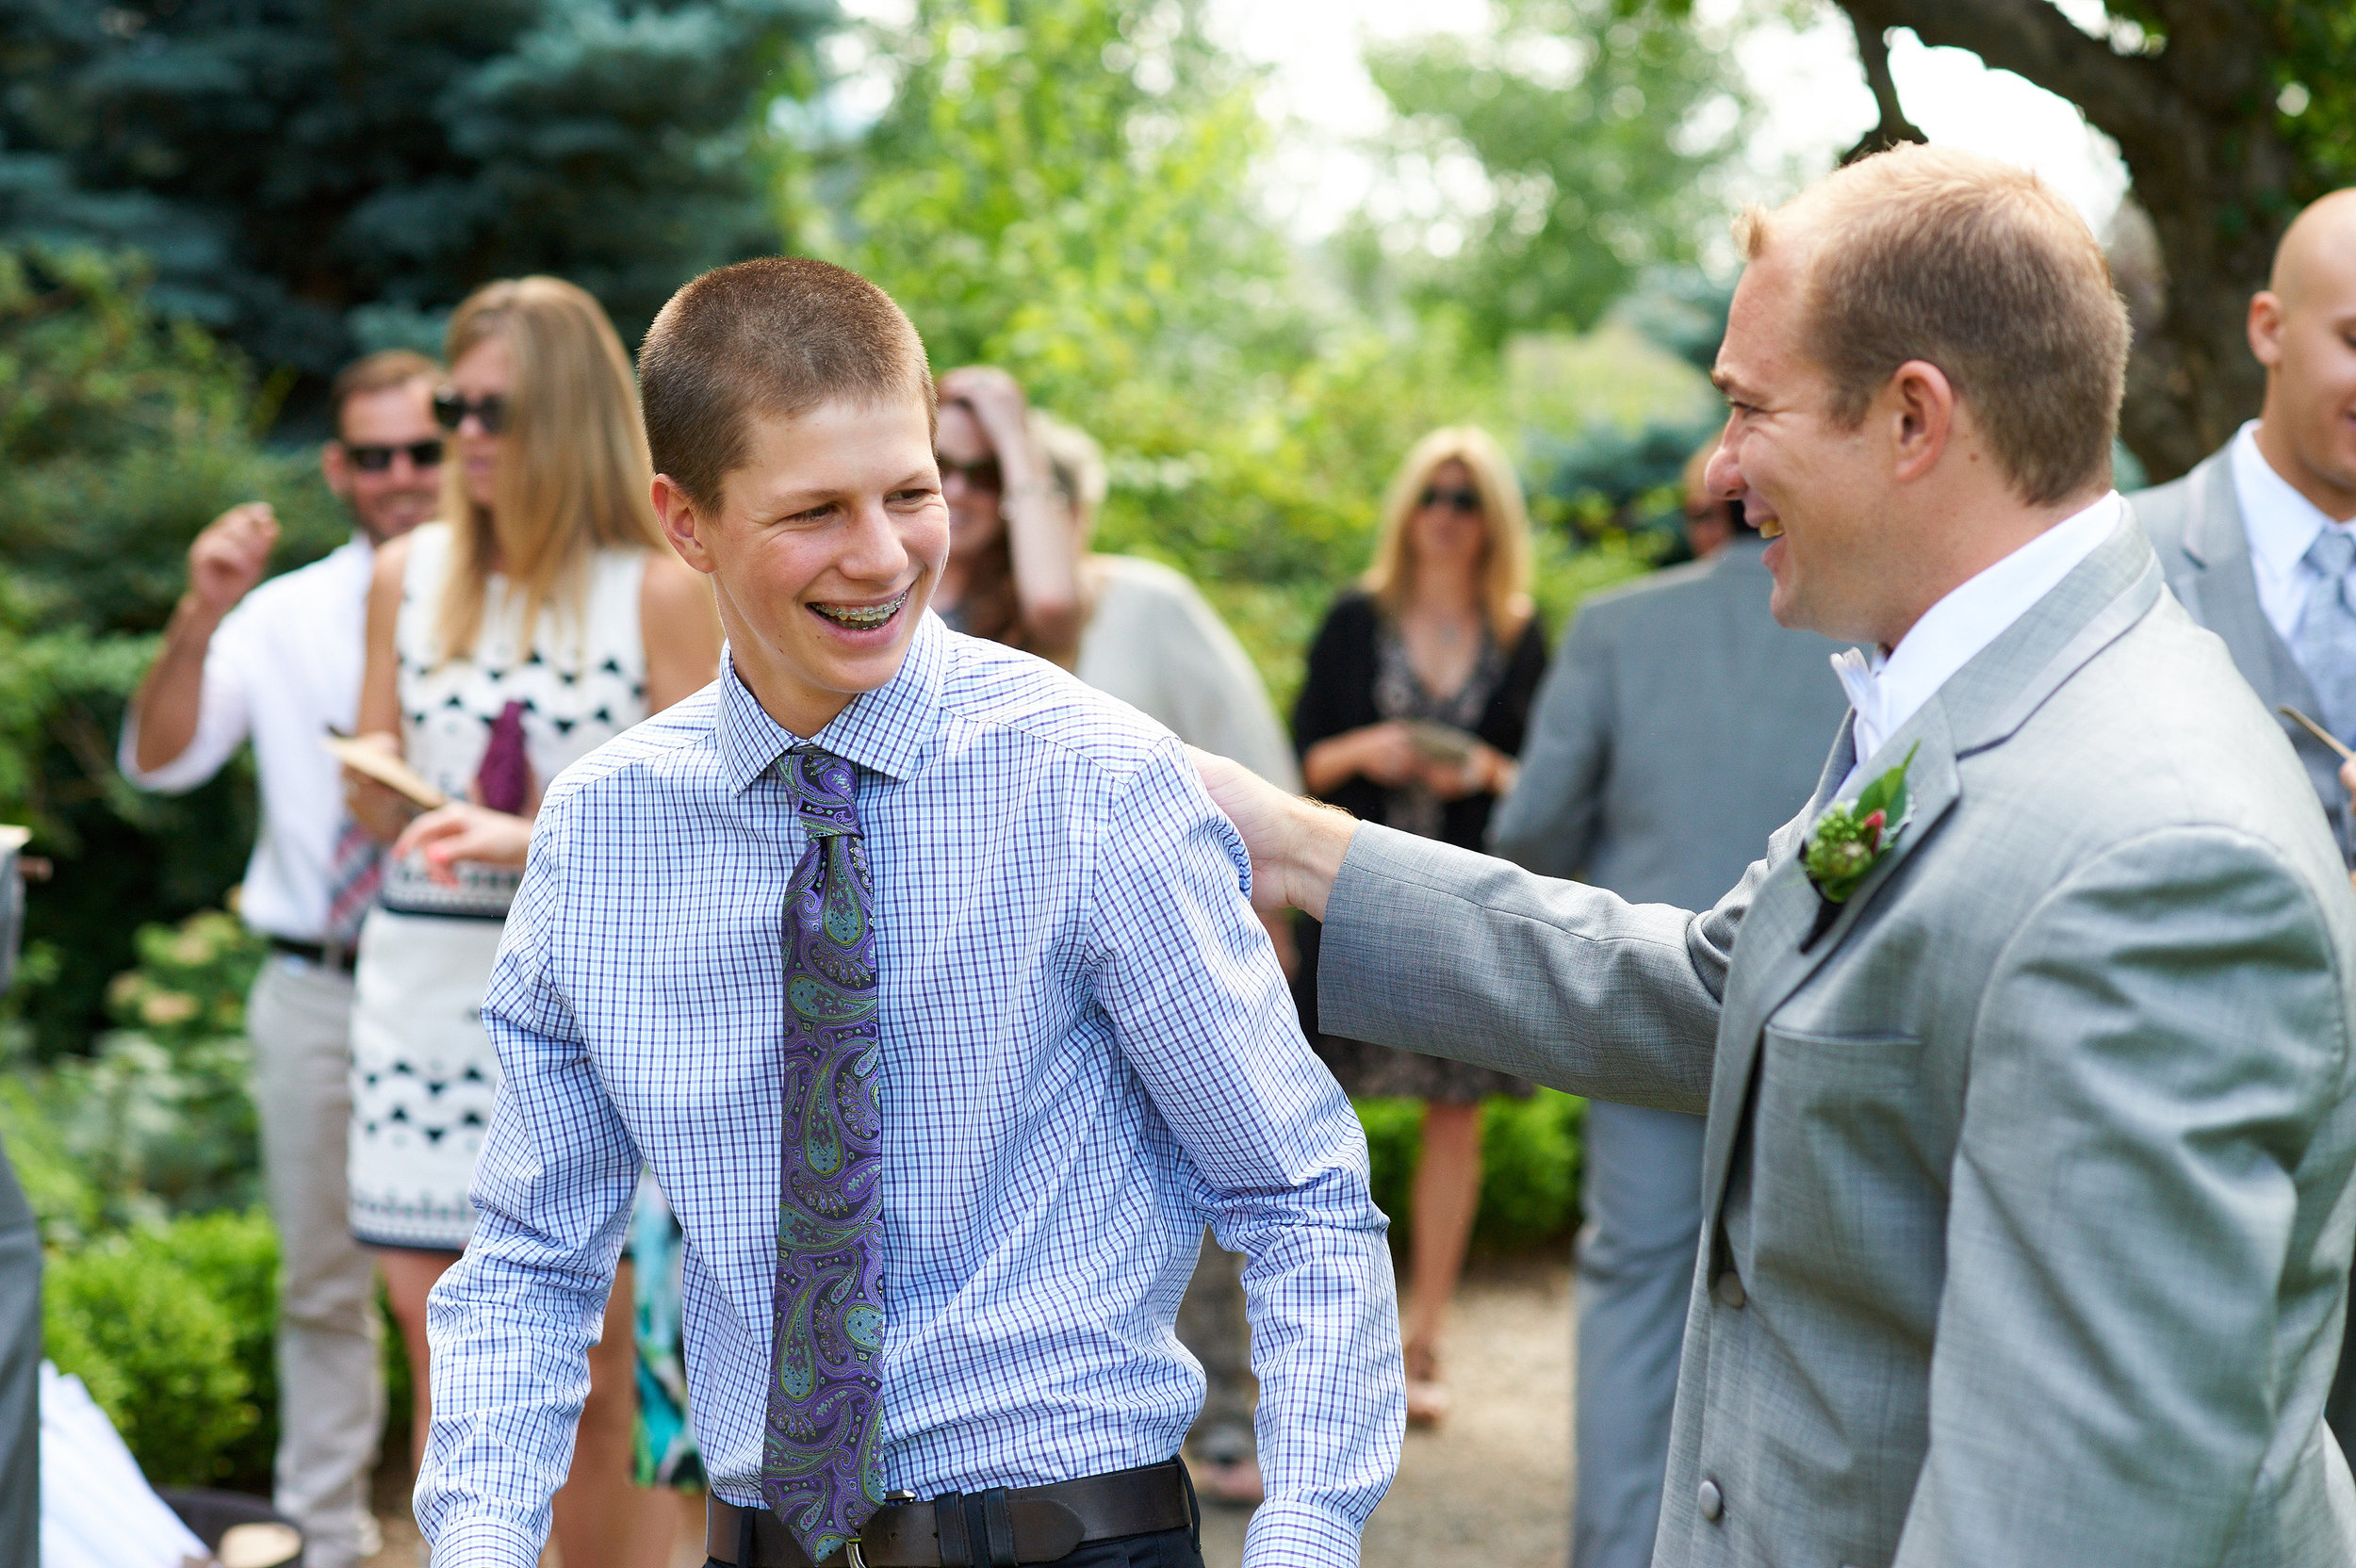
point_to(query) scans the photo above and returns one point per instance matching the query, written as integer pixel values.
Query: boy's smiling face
(823, 548)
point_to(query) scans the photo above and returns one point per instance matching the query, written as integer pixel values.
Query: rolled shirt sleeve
(1202, 1013)
(224, 714)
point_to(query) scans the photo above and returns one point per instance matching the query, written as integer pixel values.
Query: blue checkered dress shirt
(1088, 1052)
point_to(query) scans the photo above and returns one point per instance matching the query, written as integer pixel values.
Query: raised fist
(227, 559)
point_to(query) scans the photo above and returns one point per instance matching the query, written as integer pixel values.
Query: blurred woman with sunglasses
(541, 617)
(1013, 569)
(1418, 691)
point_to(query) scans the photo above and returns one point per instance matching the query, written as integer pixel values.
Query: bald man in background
(2258, 542)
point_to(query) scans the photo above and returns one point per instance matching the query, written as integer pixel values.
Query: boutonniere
(1851, 837)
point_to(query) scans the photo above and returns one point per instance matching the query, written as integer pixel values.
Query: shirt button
(1712, 1504)
(1729, 1288)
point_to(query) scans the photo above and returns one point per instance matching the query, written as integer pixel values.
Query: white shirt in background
(1887, 691)
(1156, 644)
(283, 666)
(2281, 525)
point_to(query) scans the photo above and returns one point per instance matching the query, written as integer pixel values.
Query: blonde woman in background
(1412, 710)
(542, 617)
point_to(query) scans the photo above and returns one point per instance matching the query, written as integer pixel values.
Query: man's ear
(684, 524)
(1922, 405)
(2266, 327)
(336, 468)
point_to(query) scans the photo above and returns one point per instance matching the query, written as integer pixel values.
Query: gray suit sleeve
(2146, 1078)
(1439, 950)
(1549, 822)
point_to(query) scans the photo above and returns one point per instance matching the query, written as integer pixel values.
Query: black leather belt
(333, 955)
(1002, 1527)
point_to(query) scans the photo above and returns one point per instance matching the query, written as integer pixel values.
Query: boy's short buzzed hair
(776, 336)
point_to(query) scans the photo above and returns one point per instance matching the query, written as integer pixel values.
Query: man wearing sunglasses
(280, 663)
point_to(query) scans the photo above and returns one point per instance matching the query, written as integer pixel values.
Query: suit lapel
(2221, 589)
(1770, 961)
(1979, 707)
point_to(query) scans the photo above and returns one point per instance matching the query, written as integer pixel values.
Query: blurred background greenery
(207, 206)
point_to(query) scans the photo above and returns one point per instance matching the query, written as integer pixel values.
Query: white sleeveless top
(581, 681)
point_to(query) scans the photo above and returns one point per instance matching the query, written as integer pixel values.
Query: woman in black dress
(1416, 696)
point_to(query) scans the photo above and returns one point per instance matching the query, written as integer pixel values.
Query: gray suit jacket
(1678, 726)
(2195, 527)
(2028, 1217)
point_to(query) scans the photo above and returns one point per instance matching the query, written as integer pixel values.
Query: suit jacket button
(1711, 1502)
(1729, 1288)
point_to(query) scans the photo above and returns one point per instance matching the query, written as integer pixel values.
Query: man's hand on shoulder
(228, 558)
(1297, 845)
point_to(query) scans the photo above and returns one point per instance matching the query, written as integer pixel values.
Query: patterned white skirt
(423, 1076)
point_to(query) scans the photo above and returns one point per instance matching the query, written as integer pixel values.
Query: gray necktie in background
(2325, 644)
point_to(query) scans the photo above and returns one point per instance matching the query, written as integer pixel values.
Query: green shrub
(1529, 1166)
(120, 435)
(233, 1257)
(172, 1329)
(157, 1121)
(157, 1352)
(1529, 1171)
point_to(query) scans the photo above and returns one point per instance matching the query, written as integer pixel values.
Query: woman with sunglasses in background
(1418, 691)
(541, 617)
(1013, 569)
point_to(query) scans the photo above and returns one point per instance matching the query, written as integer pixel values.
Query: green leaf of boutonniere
(1851, 836)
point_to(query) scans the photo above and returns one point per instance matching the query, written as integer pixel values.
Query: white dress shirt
(2281, 525)
(1887, 690)
(283, 665)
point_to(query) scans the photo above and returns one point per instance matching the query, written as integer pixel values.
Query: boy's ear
(684, 524)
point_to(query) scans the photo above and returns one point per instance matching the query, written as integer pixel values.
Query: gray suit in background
(2027, 1211)
(2195, 526)
(1678, 729)
(20, 1373)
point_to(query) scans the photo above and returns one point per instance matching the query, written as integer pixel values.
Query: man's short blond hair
(1978, 268)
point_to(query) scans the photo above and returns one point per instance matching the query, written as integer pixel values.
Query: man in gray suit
(2026, 1207)
(1623, 785)
(2257, 541)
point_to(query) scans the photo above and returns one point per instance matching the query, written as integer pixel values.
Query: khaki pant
(330, 1391)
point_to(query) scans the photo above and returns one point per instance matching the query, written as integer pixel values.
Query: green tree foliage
(1598, 135)
(2231, 115)
(154, 1119)
(120, 435)
(314, 176)
(1060, 184)
(1103, 242)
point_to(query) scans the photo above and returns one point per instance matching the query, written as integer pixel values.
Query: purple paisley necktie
(818, 1465)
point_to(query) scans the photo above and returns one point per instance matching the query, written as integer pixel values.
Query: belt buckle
(850, 1549)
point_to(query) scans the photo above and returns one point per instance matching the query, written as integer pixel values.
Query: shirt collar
(2281, 523)
(1887, 691)
(883, 731)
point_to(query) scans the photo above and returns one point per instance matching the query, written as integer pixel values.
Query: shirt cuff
(1288, 1533)
(175, 778)
(484, 1544)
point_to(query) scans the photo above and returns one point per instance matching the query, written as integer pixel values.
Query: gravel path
(1491, 1486)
